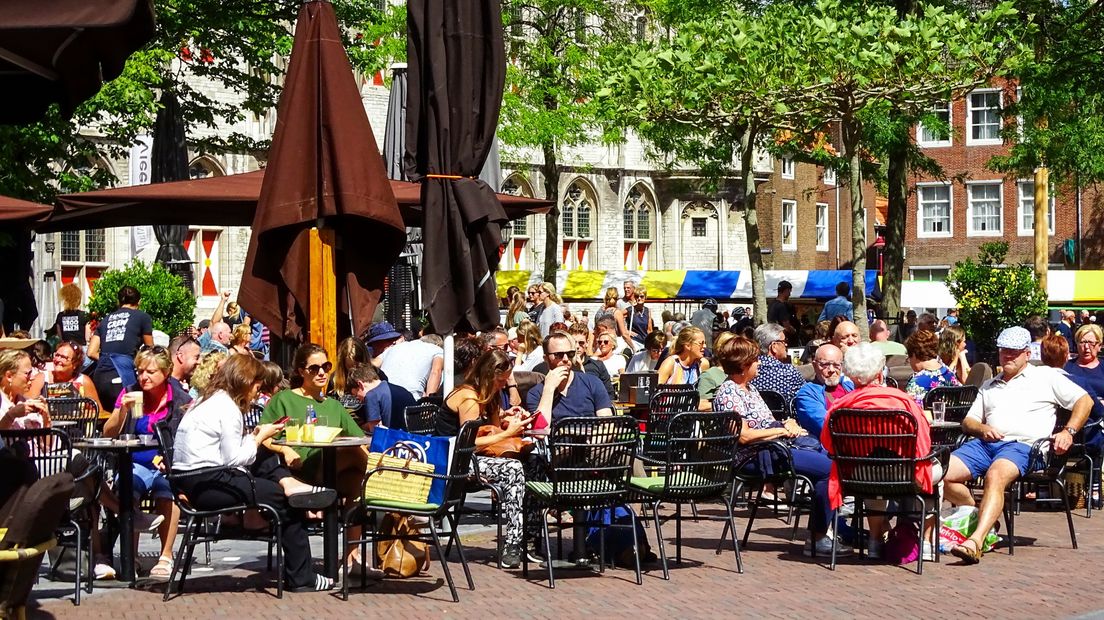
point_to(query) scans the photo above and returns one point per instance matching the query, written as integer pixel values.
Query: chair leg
(79, 563)
(920, 556)
(279, 527)
(1010, 522)
(751, 518)
(731, 525)
(444, 560)
(1069, 515)
(189, 535)
(636, 548)
(548, 548)
(455, 535)
(659, 540)
(601, 545)
(678, 533)
(835, 540)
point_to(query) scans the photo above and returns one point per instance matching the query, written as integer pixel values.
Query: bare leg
(168, 527)
(954, 491)
(1001, 474)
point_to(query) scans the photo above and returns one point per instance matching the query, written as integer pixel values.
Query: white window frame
(929, 269)
(830, 176)
(937, 143)
(970, 230)
(970, 140)
(792, 224)
(788, 167)
(822, 226)
(1030, 232)
(920, 233)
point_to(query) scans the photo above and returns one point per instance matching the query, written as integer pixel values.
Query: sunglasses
(605, 342)
(155, 349)
(314, 369)
(504, 366)
(562, 354)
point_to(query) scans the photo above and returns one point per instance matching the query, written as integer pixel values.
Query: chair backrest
(421, 418)
(874, 451)
(49, 449)
(590, 460)
(957, 399)
(653, 443)
(891, 382)
(701, 448)
(84, 411)
(776, 403)
(673, 398)
(252, 417)
(461, 465)
(165, 442)
(979, 373)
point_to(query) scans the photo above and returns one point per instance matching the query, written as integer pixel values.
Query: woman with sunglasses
(65, 378)
(606, 352)
(687, 361)
(159, 401)
(480, 397)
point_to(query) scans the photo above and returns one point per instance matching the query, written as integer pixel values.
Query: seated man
(566, 393)
(1012, 411)
(828, 384)
(863, 363)
(583, 361)
(776, 373)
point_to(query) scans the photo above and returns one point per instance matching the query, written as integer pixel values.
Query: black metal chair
(84, 411)
(590, 463)
(673, 398)
(874, 452)
(957, 398)
(51, 452)
(1045, 467)
(769, 463)
(460, 471)
(202, 526)
(421, 419)
(777, 404)
(700, 449)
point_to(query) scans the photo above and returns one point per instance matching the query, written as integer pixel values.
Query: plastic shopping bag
(957, 524)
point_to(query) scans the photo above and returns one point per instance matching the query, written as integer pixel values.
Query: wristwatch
(1071, 430)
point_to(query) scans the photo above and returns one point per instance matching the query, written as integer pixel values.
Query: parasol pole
(323, 297)
(447, 378)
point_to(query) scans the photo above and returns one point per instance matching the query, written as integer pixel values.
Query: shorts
(150, 481)
(978, 455)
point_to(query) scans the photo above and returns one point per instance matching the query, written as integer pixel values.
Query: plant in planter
(164, 297)
(992, 296)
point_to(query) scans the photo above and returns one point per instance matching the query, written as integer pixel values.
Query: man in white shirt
(1012, 411)
(415, 365)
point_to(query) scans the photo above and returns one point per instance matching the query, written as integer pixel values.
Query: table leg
(125, 466)
(330, 522)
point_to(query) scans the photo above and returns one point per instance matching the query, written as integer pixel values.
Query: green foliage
(164, 298)
(992, 296)
(200, 46)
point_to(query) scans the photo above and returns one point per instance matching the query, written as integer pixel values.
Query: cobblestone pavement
(1045, 579)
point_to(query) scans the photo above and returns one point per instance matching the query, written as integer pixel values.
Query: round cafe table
(331, 520)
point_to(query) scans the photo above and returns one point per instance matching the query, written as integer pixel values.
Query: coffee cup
(137, 398)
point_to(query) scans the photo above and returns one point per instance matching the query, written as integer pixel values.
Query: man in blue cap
(1012, 411)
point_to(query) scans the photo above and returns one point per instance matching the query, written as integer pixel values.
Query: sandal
(969, 555)
(321, 584)
(163, 568)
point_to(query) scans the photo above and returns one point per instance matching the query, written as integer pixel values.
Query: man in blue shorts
(1013, 410)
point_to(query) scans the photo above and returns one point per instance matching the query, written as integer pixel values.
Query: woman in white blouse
(212, 435)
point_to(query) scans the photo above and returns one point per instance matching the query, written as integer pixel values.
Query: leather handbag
(397, 557)
(510, 447)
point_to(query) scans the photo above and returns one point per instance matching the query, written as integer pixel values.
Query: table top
(62, 423)
(114, 445)
(340, 442)
(946, 424)
(537, 432)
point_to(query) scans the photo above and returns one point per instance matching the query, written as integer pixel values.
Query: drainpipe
(837, 221)
(1077, 185)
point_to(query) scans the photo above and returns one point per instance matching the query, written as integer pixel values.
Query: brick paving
(1046, 578)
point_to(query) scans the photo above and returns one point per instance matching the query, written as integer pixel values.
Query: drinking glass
(939, 411)
(292, 431)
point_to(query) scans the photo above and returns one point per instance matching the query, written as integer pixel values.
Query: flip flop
(315, 499)
(969, 555)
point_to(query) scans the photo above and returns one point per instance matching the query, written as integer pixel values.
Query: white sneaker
(103, 572)
(145, 522)
(927, 552)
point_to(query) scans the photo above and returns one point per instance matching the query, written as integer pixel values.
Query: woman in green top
(309, 377)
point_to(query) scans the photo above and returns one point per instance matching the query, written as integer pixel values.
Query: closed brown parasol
(325, 171)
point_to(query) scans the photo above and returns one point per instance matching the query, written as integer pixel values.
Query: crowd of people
(541, 365)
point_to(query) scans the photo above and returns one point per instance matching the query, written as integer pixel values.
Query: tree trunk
(851, 140)
(751, 224)
(894, 251)
(551, 172)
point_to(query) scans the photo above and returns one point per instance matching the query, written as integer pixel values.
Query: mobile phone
(283, 420)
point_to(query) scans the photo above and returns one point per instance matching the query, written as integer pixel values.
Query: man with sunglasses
(583, 361)
(566, 393)
(814, 398)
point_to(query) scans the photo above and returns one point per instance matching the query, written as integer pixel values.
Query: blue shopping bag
(424, 448)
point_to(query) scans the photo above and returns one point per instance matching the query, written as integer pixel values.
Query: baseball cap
(381, 331)
(1015, 338)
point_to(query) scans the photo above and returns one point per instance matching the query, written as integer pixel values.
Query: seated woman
(212, 434)
(1055, 353)
(863, 364)
(687, 362)
(310, 376)
(647, 358)
(739, 357)
(158, 402)
(16, 410)
(480, 397)
(952, 350)
(930, 372)
(65, 379)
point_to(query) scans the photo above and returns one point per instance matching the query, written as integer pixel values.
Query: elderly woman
(158, 401)
(1086, 365)
(863, 364)
(952, 351)
(739, 357)
(1055, 353)
(65, 378)
(634, 322)
(930, 372)
(687, 360)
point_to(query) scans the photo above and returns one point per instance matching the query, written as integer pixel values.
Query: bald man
(846, 335)
(813, 399)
